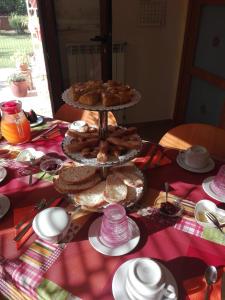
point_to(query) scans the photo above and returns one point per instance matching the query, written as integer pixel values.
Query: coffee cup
(196, 157)
(52, 224)
(144, 280)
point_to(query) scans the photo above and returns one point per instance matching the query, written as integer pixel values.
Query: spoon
(210, 277)
(166, 186)
(32, 162)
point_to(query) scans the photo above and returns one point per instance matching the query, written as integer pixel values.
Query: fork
(214, 220)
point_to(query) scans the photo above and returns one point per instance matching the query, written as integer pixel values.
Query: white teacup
(144, 280)
(52, 224)
(196, 157)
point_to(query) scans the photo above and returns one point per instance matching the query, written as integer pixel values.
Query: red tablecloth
(87, 273)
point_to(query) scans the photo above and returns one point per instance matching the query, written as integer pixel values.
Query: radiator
(84, 62)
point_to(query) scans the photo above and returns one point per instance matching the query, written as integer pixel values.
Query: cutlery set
(215, 221)
(211, 277)
(37, 208)
(50, 133)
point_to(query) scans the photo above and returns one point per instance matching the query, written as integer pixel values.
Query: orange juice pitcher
(15, 127)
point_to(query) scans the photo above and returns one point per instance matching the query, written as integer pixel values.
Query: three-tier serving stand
(103, 133)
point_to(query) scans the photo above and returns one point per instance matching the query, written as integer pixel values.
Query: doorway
(201, 89)
(22, 56)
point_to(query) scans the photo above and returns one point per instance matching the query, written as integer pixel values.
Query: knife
(44, 133)
(37, 207)
(223, 287)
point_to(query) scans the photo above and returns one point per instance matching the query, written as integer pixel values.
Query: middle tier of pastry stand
(103, 128)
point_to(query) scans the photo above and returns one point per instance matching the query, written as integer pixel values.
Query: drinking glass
(115, 229)
(218, 183)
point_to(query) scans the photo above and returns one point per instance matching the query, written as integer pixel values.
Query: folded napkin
(23, 278)
(186, 222)
(154, 156)
(19, 214)
(196, 287)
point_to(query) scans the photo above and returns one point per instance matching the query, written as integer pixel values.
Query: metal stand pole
(103, 128)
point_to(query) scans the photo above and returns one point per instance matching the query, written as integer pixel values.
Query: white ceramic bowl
(145, 280)
(51, 165)
(51, 224)
(201, 208)
(80, 126)
(25, 156)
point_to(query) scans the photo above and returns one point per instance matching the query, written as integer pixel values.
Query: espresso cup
(196, 157)
(144, 280)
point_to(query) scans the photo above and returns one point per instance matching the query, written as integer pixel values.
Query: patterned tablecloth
(38, 269)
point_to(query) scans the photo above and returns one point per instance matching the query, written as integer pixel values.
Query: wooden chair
(186, 135)
(70, 114)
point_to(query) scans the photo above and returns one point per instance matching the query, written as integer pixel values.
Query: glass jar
(15, 127)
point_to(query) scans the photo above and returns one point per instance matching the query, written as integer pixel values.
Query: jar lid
(51, 222)
(11, 107)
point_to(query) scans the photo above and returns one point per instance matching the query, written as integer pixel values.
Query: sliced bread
(77, 174)
(115, 190)
(63, 187)
(93, 197)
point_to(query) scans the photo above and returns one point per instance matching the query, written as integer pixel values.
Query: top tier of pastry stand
(67, 97)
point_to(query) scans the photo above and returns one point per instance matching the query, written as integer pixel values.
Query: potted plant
(21, 60)
(18, 84)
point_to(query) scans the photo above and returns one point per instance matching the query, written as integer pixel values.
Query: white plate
(207, 188)
(3, 173)
(78, 157)
(39, 121)
(4, 205)
(119, 280)
(93, 236)
(138, 195)
(180, 160)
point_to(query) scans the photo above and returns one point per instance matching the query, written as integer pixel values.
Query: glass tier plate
(139, 191)
(68, 98)
(78, 157)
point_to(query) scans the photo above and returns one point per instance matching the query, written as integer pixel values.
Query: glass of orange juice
(15, 127)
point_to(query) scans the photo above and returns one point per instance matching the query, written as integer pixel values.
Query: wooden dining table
(180, 244)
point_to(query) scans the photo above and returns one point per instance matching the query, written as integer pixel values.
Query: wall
(153, 57)
(153, 53)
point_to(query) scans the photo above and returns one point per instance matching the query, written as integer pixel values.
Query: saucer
(93, 236)
(3, 173)
(39, 121)
(4, 205)
(119, 282)
(207, 188)
(209, 167)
